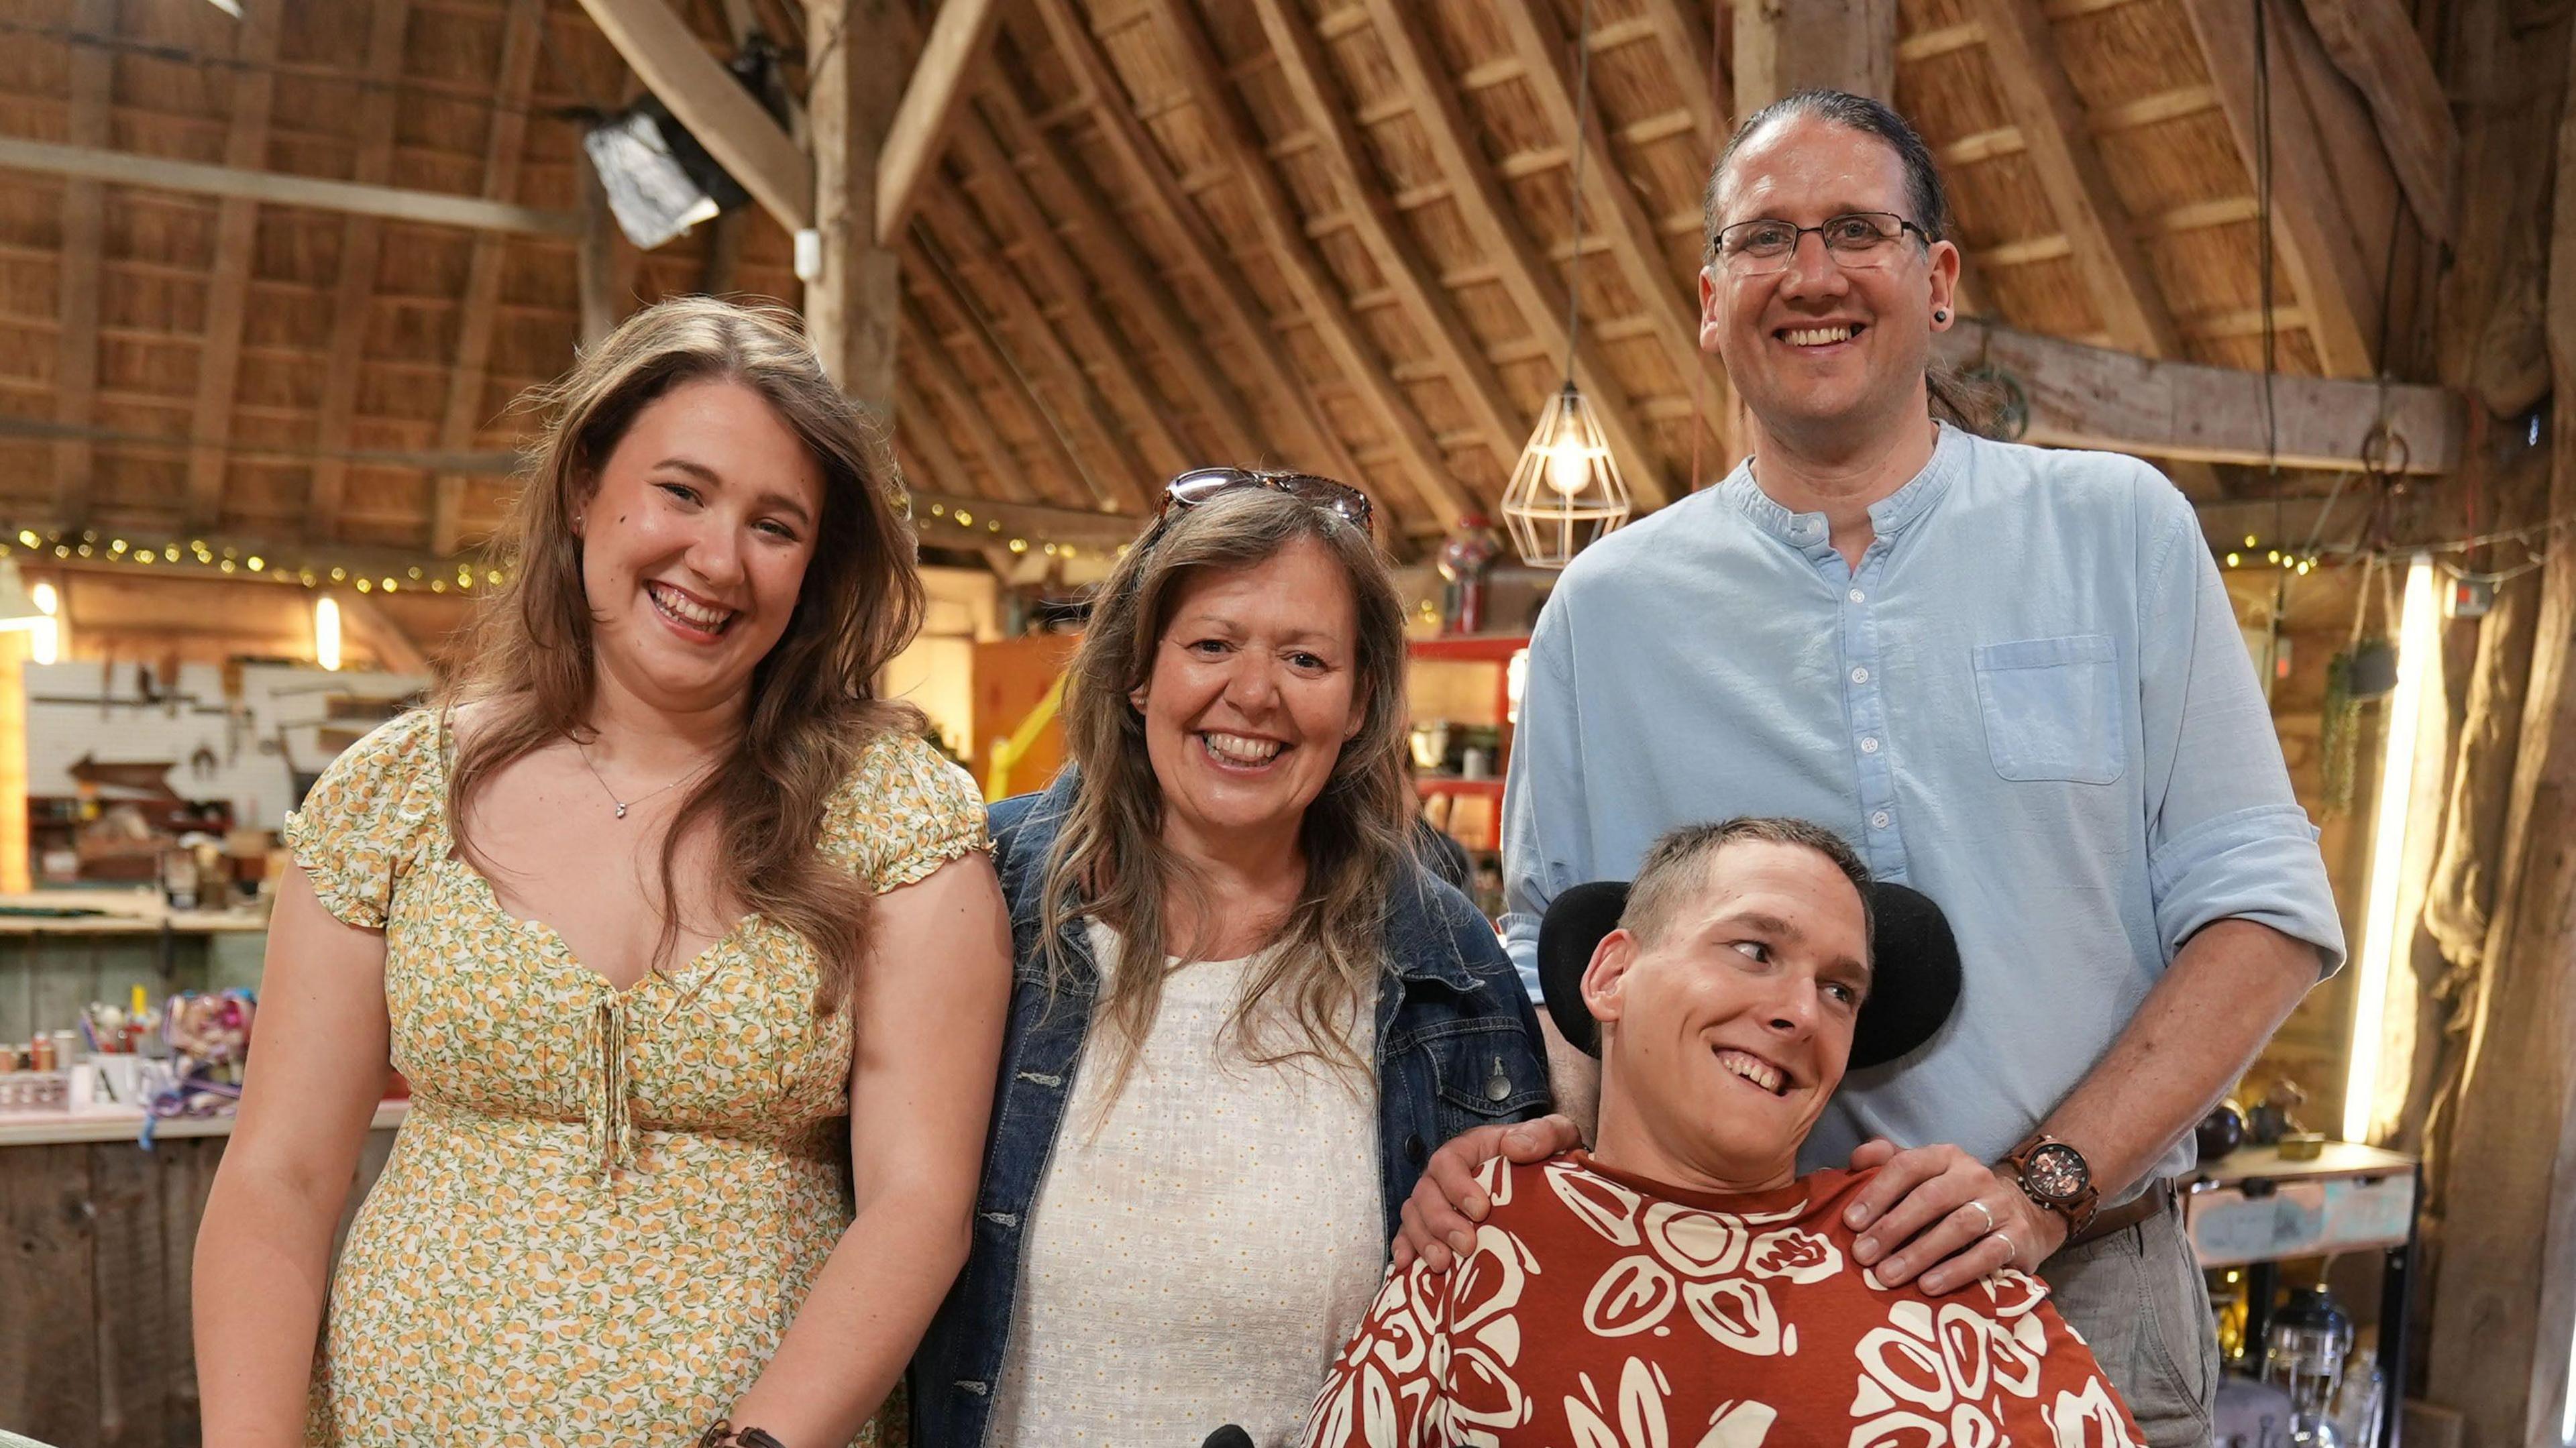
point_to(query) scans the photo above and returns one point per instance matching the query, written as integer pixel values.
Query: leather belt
(2157, 1199)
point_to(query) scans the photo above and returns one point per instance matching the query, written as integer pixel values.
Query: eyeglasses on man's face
(1855, 239)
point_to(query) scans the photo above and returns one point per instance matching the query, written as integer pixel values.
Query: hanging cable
(1574, 263)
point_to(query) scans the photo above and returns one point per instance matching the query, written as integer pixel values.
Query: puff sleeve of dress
(904, 812)
(366, 820)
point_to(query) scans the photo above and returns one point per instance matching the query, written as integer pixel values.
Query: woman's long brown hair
(531, 666)
(1110, 861)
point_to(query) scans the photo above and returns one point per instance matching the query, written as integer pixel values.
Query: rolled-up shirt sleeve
(1546, 836)
(2226, 838)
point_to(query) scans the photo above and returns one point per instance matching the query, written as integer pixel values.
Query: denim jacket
(1457, 1046)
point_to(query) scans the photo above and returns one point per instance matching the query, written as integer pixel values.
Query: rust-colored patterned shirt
(1607, 1311)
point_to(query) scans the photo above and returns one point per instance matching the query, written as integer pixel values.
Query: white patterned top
(1202, 1244)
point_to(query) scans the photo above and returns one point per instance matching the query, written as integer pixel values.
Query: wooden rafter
(1391, 245)
(1072, 482)
(1785, 46)
(228, 286)
(92, 79)
(705, 97)
(941, 80)
(280, 188)
(1242, 313)
(1691, 50)
(934, 374)
(1670, 307)
(361, 244)
(962, 243)
(2059, 143)
(1133, 278)
(505, 143)
(990, 172)
(939, 461)
(1282, 230)
(2374, 44)
(1492, 219)
(2309, 223)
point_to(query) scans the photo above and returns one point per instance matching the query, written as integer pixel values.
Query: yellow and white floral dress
(606, 1206)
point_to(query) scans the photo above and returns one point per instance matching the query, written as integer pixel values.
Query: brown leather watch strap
(2155, 1200)
(725, 1435)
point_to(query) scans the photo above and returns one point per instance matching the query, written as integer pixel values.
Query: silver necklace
(624, 804)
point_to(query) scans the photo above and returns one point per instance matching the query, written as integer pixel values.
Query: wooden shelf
(1452, 784)
(1469, 648)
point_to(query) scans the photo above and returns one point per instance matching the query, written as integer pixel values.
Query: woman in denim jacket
(1195, 1169)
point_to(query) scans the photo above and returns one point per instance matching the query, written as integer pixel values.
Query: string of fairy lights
(312, 569)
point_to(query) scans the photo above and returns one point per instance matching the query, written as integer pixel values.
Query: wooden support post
(228, 286)
(850, 99)
(595, 257)
(2374, 44)
(1256, 337)
(1786, 46)
(2505, 1306)
(1493, 219)
(361, 245)
(1437, 502)
(504, 143)
(92, 79)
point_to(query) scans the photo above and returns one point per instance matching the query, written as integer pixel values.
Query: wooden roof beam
(1256, 332)
(1073, 481)
(1092, 337)
(1233, 136)
(505, 143)
(941, 79)
(1126, 271)
(352, 294)
(955, 240)
(1492, 219)
(228, 281)
(1501, 427)
(92, 81)
(1785, 46)
(278, 188)
(2059, 142)
(2093, 397)
(2375, 44)
(934, 374)
(2310, 227)
(1670, 305)
(1707, 93)
(703, 96)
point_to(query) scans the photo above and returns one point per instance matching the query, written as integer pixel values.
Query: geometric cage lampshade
(1566, 491)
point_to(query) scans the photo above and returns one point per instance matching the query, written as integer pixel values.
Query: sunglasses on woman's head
(1200, 484)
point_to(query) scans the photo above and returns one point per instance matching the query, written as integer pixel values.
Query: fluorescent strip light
(2415, 644)
(326, 632)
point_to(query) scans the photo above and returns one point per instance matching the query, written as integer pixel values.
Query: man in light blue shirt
(2011, 678)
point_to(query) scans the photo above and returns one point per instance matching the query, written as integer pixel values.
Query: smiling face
(1726, 1032)
(1252, 693)
(695, 542)
(1820, 346)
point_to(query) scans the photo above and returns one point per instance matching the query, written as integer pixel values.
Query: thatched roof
(1161, 232)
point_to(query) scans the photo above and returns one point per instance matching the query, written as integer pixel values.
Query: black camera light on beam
(659, 180)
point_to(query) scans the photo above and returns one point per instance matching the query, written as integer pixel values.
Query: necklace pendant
(621, 811)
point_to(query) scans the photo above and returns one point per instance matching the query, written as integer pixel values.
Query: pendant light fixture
(1566, 490)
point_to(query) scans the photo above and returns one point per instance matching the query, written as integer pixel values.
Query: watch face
(2056, 1172)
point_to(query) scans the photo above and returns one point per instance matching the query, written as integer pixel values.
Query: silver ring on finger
(1985, 1212)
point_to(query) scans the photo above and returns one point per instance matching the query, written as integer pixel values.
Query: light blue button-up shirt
(2030, 702)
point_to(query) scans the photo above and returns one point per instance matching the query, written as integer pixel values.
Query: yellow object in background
(997, 776)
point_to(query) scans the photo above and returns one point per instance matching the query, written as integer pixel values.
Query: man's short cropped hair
(1676, 866)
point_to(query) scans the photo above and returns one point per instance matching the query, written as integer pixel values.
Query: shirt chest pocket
(2052, 709)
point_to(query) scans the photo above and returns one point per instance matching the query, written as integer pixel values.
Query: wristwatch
(725, 1435)
(2056, 1176)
